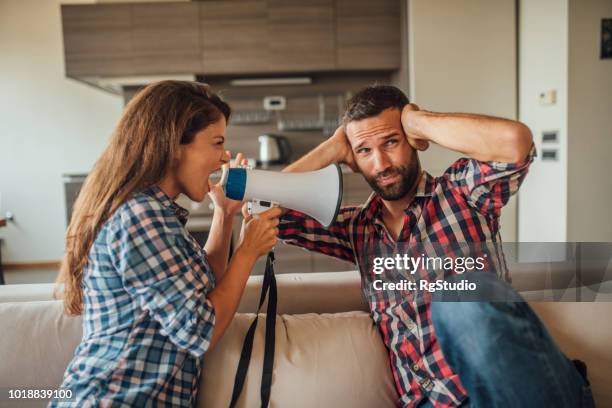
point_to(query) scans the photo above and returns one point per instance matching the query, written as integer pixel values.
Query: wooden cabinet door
(261, 36)
(97, 39)
(131, 39)
(234, 37)
(166, 38)
(302, 36)
(368, 34)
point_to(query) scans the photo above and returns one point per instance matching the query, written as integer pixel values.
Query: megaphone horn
(314, 193)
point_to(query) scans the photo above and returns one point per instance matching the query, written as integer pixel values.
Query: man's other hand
(342, 148)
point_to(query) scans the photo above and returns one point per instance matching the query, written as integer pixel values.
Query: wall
(462, 58)
(589, 184)
(50, 126)
(567, 200)
(543, 66)
(53, 125)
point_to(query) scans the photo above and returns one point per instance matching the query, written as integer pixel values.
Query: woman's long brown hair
(140, 152)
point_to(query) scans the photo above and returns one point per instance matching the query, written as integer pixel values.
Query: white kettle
(273, 150)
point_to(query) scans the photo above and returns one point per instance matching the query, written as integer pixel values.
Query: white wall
(50, 125)
(543, 54)
(462, 58)
(568, 200)
(589, 194)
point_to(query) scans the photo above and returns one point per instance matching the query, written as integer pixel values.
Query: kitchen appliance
(72, 186)
(273, 150)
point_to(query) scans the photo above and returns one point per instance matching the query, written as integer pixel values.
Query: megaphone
(314, 193)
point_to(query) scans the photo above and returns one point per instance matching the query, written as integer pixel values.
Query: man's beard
(409, 175)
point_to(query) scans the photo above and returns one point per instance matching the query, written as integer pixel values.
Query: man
(442, 354)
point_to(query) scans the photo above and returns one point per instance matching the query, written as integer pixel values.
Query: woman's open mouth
(215, 176)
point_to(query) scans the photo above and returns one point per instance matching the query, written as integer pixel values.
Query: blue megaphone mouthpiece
(235, 184)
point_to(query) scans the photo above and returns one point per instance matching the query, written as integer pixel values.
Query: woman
(153, 301)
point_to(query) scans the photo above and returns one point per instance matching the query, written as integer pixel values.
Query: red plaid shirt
(461, 206)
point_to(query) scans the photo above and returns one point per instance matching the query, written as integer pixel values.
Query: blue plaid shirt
(147, 320)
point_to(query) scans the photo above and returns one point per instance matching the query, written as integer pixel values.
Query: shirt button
(415, 367)
(427, 384)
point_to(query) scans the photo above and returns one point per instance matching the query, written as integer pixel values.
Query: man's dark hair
(372, 100)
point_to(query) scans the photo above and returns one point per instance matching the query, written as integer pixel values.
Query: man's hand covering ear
(418, 142)
(342, 148)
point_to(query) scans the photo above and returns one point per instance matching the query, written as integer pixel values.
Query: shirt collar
(425, 188)
(157, 193)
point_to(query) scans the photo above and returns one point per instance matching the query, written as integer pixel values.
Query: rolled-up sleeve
(163, 278)
(301, 230)
(487, 186)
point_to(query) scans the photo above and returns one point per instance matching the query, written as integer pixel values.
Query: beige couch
(328, 353)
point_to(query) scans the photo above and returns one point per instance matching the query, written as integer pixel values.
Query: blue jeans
(503, 353)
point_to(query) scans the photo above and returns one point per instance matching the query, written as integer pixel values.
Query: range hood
(116, 85)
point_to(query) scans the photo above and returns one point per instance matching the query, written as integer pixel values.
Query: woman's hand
(259, 237)
(259, 233)
(228, 206)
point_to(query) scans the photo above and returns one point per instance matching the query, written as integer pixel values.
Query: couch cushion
(328, 360)
(321, 360)
(583, 330)
(37, 342)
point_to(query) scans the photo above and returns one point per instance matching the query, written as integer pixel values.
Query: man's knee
(486, 325)
(465, 331)
(462, 319)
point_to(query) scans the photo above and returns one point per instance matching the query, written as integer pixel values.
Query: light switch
(550, 136)
(548, 98)
(549, 155)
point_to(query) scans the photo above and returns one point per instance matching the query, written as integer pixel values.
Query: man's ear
(418, 144)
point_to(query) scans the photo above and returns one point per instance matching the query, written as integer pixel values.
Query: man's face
(383, 155)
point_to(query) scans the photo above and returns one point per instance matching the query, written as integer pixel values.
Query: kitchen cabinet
(131, 39)
(368, 34)
(97, 39)
(355, 190)
(301, 35)
(221, 37)
(267, 36)
(234, 37)
(165, 38)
